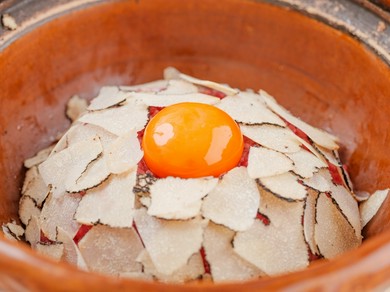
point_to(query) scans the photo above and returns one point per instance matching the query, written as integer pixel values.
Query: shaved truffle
(117, 120)
(278, 247)
(71, 253)
(348, 207)
(59, 212)
(273, 137)
(34, 187)
(124, 153)
(285, 186)
(111, 203)
(172, 73)
(38, 158)
(263, 162)
(109, 96)
(305, 163)
(248, 108)
(166, 100)
(225, 263)
(170, 244)
(318, 136)
(54, 251)
(75, 107)
(66, 166)
(27, 209)
(178, 87)
(369, 208)
(176, 198)
(192, 270)
(333, 234)
(234, 202)
(111, 250)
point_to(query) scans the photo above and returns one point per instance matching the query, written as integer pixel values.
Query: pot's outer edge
(378, 41)
(30, 14)
(347, 16)
(351, 18)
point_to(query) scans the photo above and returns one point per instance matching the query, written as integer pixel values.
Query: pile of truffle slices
(88, 199)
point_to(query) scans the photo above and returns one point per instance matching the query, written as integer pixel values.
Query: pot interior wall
(320, 74)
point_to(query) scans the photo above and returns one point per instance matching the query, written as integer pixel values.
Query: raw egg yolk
(190, 140)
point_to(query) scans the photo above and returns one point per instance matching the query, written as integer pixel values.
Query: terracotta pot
(317, 59)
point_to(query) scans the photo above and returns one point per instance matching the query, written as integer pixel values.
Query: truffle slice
(234, 201)
(66, 166)
(273, 137)
(151, 99)
(176, 198)
(54, 250)
(33, 232)
(40, 157)
(285, 186)
(248, 108)
(170, 244)
(124, 153)
(225, 263)
(278, 247)
(72, 253)
(117, 120)
(369, 208)
(111, 250)
(332, 232)
(328, 155)
(320, 181)
(263, 162)
(94, 175)
(318, 136)
(173, 73)
(34, 187)
(59, 212)
(309, 218)
(178, 87)
(192, 270)
(13, 231)
(108, 97)
(348, 207)
(273, 249)
(111, 203)
(27, 209)
(306, 163)
(81, 132)
(75, 107)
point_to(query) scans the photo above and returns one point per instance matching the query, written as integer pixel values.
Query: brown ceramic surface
(320, 74)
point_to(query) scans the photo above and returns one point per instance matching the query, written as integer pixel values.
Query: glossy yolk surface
(191, 140)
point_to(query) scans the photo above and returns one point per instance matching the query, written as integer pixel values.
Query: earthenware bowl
(326, 61)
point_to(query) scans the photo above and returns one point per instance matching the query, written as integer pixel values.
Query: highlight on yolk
(190, 140)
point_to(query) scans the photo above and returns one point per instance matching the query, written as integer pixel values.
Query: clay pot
(335, 78)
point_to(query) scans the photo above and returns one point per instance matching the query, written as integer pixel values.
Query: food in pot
(183, 179)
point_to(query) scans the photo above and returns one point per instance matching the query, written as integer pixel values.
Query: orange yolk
(190, 140)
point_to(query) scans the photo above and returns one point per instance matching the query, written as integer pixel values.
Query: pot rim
(364, 29)
(371, 27)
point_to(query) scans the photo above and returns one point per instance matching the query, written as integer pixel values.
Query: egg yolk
(190, 140)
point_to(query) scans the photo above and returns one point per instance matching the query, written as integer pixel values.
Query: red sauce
(206, 264)
(248, 143)
(81, 233)
(263, 218)
(334, 172)
(154, 110)
(211, 92)
(298, 132)
(139, 235)
(313, 257)
(44, 239)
